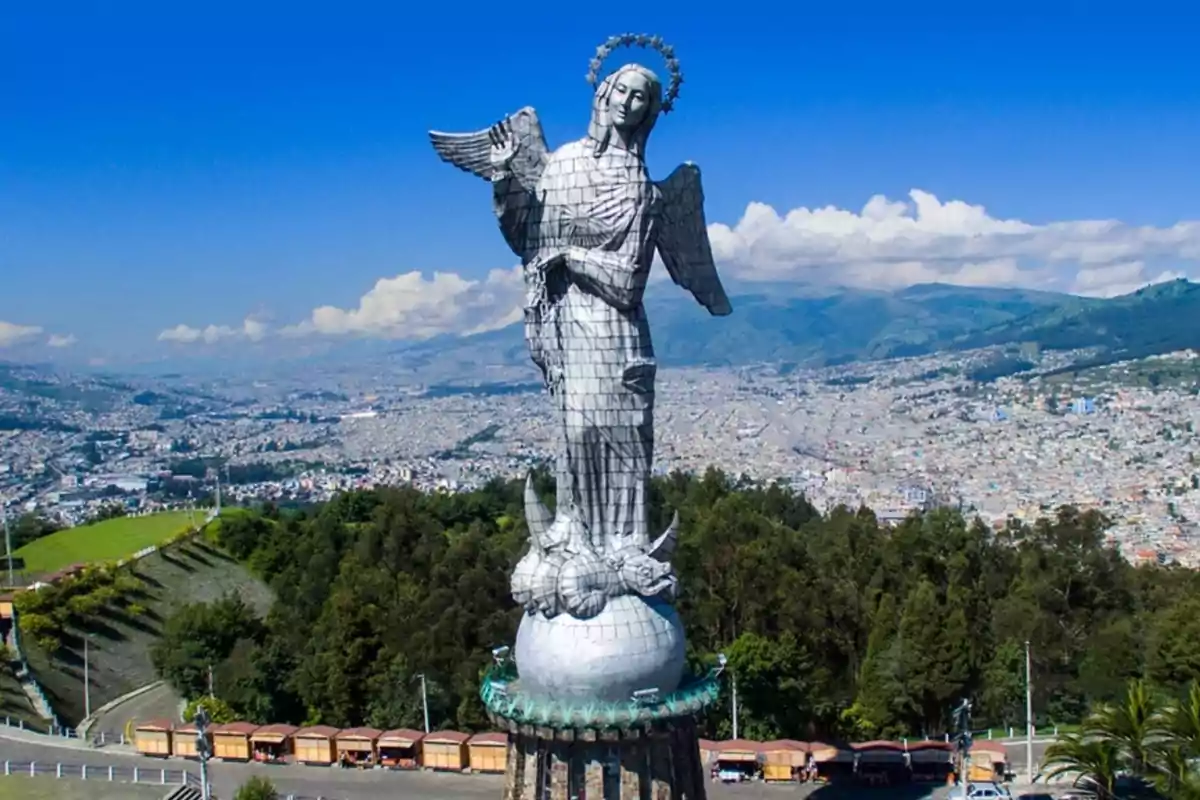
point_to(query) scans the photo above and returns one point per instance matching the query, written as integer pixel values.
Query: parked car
(981, 791)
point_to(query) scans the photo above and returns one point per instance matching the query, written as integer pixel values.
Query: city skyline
(178, 185)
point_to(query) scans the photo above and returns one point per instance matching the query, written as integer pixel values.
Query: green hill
(1156, 319)
(109, 540)
(810, 326)
(806, 326)
(120, 638)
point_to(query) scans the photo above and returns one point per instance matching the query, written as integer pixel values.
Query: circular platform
(512, 706)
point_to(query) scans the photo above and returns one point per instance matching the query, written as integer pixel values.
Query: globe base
(634, 643)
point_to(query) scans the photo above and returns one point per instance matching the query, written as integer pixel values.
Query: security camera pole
(203, 750)
(962, 721)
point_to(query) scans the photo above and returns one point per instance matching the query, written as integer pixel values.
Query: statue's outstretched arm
(614, 277)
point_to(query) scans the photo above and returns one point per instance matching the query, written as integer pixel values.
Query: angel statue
(586, 221)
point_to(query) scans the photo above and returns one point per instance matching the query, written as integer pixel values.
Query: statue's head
(629, 102)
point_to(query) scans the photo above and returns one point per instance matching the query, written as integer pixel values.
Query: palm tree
(1094, 762)
(1178, 748)
(1136, 726)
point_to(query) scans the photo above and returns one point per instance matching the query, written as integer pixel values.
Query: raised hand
(504, 145)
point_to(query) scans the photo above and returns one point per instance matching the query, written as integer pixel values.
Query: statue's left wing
(471, 152)
(683, 240)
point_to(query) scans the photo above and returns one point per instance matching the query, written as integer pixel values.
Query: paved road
(158, 703)
(339, 784)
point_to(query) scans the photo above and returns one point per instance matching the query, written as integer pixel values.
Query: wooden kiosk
(183, 740)
(272, 744)
(488, 752)
(356, 746)
(153, 737)
(445, 750)
(881, 762)
(739, 754)
(989, 761)
(931, 761)
(783, 759)
(832, 761)
(400, 748)
(231, 741)
(315, 745)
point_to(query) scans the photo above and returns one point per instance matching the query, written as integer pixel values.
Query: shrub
(257, 788)
(218, 710)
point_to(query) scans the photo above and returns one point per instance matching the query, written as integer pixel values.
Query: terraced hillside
(119, 644)
(14, 704)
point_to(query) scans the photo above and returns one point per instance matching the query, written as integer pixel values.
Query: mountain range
(806, 326)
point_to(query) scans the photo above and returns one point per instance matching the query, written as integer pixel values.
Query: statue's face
(629, 100)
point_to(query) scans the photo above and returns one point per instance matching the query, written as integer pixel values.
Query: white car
(731, 776)
(981, 791)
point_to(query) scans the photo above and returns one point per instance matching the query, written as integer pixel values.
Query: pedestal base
(658, 762)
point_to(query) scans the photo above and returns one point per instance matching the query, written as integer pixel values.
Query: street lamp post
(1029, 713)
(87, 680)
(424, 701)
(733, 694)
(7, 539)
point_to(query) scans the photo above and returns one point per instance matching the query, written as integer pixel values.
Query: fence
(1017, 732)
(121, 774)
(98, 739)
(111, 773)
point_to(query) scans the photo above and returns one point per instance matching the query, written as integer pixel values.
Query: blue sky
(164, 167)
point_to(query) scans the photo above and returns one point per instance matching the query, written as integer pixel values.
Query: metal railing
(112, 773)
(95, 739)
(122, 774)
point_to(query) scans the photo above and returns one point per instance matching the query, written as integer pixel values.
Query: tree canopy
(834, 625)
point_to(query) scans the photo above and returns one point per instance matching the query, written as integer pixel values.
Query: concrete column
(593, 774)
(514, 769)
(633, 755)
(559, 764)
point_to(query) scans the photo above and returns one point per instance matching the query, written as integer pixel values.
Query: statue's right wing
(471, 152)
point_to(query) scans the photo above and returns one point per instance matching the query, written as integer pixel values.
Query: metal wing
(471, 152)
(683, 240)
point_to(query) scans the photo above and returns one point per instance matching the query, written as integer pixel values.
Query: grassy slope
(17, 787)
(103, 541)
(119, 652)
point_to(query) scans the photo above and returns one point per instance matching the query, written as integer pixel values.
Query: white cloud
(251, 328)
(1118, 279)
(61, 340)
(886, 244)
(892, 244)
(11, 333)
(411, 306)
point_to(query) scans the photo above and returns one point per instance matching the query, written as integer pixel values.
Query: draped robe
(586, 326)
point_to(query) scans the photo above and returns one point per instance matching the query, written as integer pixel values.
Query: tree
(1133, 726)
(1095, 763)
(834, 624)
(219, 712)
(1173, 646)
(30, 527)
(199, 636)
(257, 788)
